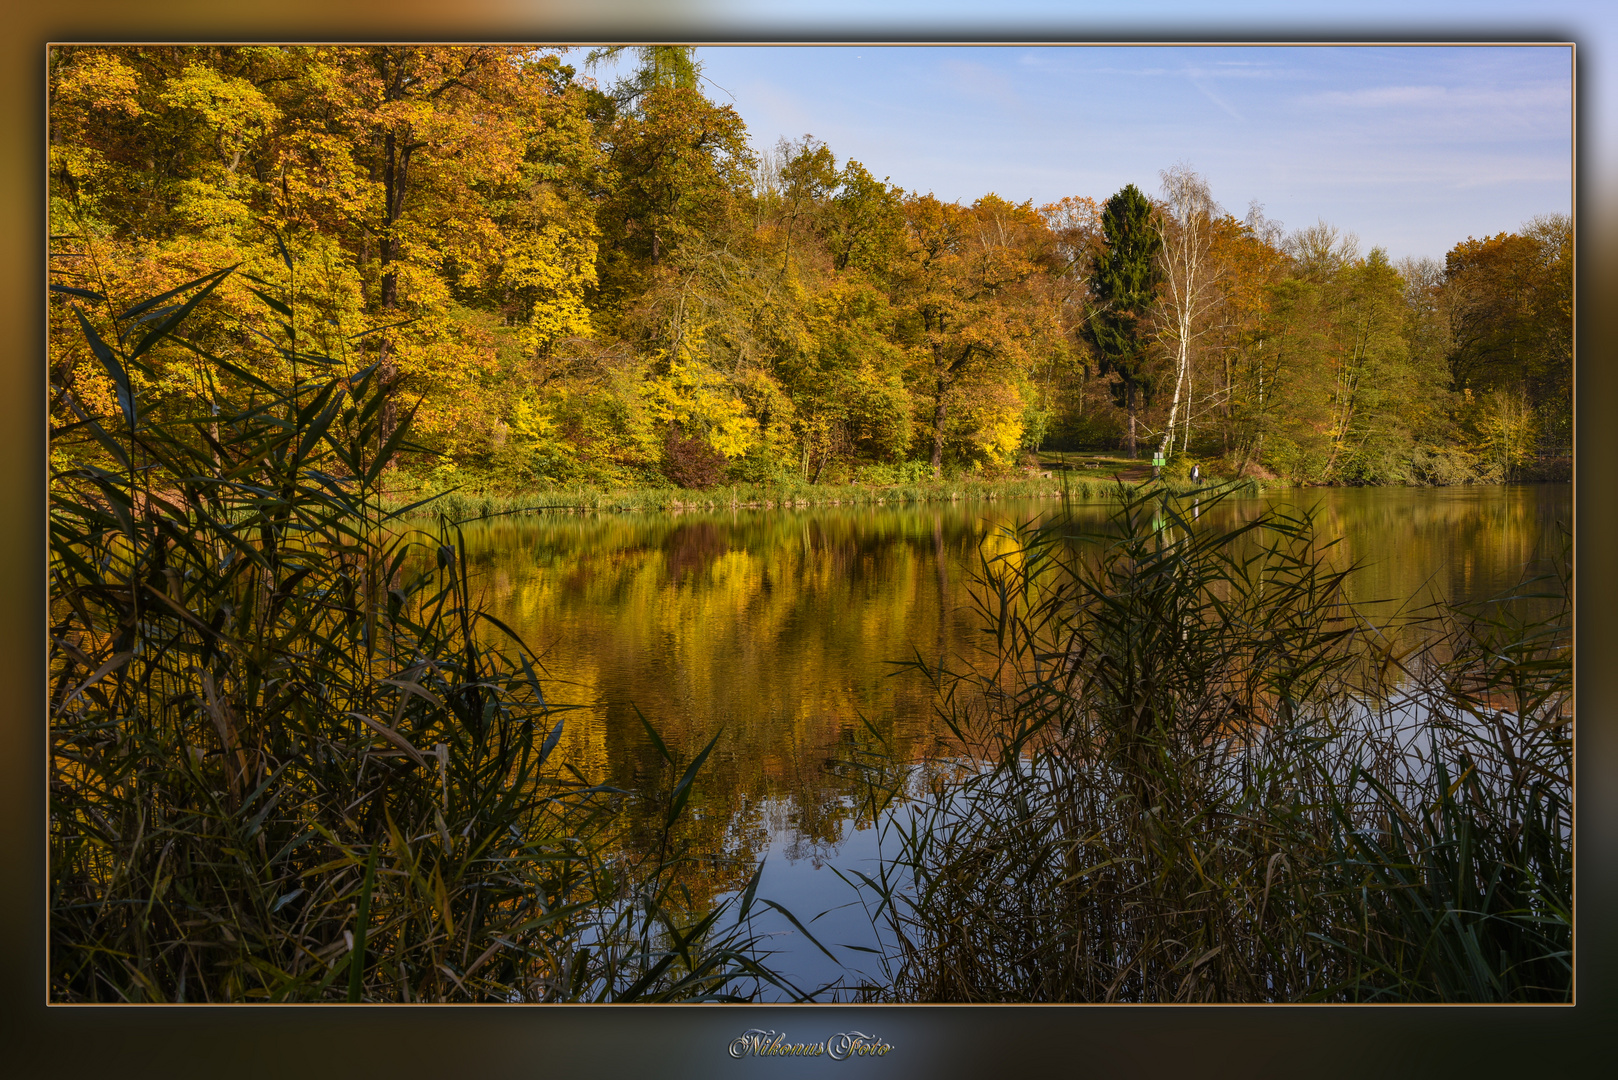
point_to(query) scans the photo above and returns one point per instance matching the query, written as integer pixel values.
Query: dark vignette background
(680, 1041)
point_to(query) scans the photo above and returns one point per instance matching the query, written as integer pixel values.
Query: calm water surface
(780, 629)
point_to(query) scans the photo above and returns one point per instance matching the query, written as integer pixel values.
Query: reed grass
(1188, 771)
(285, 764)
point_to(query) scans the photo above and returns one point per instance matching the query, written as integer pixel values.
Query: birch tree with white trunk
(1185, 222)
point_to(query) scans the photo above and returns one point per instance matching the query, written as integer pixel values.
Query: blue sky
(1412, 149)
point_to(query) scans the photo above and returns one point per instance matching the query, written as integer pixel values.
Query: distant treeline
(572, 284)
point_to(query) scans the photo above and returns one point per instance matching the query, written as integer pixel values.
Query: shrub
(1444, 466)
(690, 462)
(883, 474)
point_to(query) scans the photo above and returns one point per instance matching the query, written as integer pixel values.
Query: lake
(785, 632)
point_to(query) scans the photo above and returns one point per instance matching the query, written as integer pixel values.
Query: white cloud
(1527, 95)
(1222, 69)
(1217, 100)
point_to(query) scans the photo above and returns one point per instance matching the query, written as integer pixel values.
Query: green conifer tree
(1123, 290)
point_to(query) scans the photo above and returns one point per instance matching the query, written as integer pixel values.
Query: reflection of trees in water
(690, 548)
(773, 626)
(1418, 546)
(779, 626)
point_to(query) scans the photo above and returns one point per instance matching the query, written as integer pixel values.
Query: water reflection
(776, 628)
(780, 628)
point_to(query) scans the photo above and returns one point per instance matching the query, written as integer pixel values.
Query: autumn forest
(309, 744)
(573, 283)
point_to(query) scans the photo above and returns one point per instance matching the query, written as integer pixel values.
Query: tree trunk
(1182, 366)
(395, 175)
(940, 412)
(1224, 435)
(1129, 397)
(1190, 393)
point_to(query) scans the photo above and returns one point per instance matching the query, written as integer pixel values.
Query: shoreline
(1106, 481)
(464, 506)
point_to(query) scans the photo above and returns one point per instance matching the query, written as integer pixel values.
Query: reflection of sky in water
(828, 907)
(778, 629)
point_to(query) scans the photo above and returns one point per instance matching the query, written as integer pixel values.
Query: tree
(679, 169)
(1369, 363)
(865, 221)
(971, 315)
(1185, 228)
(1124, 290)
(1342, 398)
(1279, 296)
(659, 66)
(1511, 318)
(569, 283)
(432, 124)
(808, 176)
(1064, 376)
(1250, 253)
(544, 281)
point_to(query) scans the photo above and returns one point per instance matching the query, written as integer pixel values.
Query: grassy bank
(1189, 771)
(464, 505)
(1080, 477)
